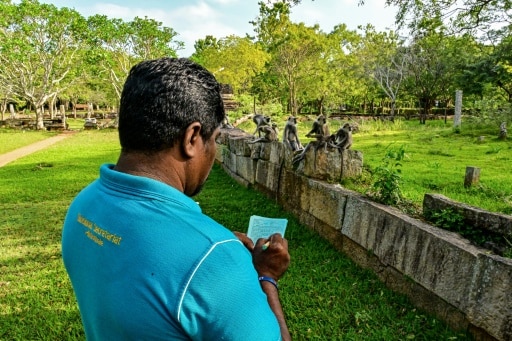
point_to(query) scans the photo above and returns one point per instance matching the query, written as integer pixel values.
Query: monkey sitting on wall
(260, 121)
(270, 134)
(320, 131)
(290, 135)
(342, 139)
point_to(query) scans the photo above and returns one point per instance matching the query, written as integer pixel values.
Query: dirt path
(31, 148)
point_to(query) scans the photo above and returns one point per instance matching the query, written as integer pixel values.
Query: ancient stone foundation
(441, 272)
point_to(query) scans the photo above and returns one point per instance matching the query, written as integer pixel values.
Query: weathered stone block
(222, 139)
(255, 150)
(322, 164)
(238, 145)
(472, 176)
(351, 163)
(265, 151)
(439, 260)
(290, 189)
(325, 202)
(491, 300)
(267, 175)
(287, 157)
(229, 159)
(276, 153)
(246, 168)
(331, 164)
(260, 150)
(219, 155)
(236, 177)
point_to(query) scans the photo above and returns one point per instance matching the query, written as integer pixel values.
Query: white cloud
(191, 22)
(225, 2)
(196, 22)
(344, 12)
(128, 13)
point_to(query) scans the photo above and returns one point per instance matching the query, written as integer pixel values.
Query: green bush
(388, 178)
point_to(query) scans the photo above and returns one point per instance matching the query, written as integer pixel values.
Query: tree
(117, 45)
(204, 46)
(496, 68)
(338, 82)
(431, 67)
(466, 15)
(39, 47)
(6, 96)
(385, 61)
(234, 60)
(293, 49)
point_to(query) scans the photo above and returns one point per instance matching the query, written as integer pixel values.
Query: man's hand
(270, 256)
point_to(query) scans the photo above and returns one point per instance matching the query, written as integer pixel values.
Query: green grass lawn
(436, 161)
(325, 295)
(11, 139)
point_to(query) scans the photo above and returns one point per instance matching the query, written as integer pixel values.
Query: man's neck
(156, 166)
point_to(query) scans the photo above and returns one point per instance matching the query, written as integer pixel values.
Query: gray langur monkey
(260, 121)
(342, 139)
(320, 129)
(290, 135)
(270, 134)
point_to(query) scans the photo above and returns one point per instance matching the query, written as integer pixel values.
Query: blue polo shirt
(146, 264)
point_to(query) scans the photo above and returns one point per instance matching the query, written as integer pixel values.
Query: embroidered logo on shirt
(96, 233)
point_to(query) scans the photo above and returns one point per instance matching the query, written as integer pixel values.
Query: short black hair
(161, 98)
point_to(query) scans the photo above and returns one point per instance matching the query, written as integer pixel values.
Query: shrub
(388, 178)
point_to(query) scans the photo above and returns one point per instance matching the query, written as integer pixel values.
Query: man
(144, 262)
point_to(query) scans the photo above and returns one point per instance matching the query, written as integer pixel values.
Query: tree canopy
(49, 54)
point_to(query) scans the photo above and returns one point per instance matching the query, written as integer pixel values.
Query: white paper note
(263, 227)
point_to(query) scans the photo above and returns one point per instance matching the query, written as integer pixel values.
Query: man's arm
(271, 260)
(273, 301)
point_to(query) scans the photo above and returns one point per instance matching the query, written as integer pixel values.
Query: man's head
(170, 114)
(161, 98)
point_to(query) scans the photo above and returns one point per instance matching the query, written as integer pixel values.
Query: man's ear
(192, 140)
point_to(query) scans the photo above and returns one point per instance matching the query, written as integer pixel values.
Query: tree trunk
(63, 115)
(503, 131)
(392, 110)
(423, 101)
(90, 110)
(11, 110)
(51, 106)
(4, 107)
(39, 118)
(320, 107)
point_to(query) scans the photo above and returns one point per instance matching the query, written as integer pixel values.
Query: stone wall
(497, 223)
(438, 270)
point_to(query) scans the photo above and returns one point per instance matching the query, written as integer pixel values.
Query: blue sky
(194, 19)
